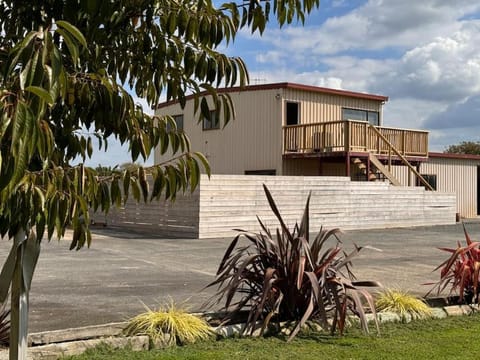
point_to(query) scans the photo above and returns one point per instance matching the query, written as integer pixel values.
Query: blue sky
(424, 55)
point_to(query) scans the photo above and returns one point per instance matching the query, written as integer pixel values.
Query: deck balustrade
(353, 136)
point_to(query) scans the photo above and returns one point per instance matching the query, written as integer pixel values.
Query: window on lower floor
(373, 117)
(431, 179)
(260, 172)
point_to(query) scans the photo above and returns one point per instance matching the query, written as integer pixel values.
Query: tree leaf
(41, 93)
(72, 47)
(73, 30)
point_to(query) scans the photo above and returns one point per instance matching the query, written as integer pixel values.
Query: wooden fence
(162, 218)
(227, 202)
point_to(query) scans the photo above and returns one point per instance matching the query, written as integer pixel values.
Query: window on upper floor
(178, 121)
(373, 117)
(292, 113)
(213, 122)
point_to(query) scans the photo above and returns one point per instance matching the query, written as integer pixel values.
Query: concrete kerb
(82, 333)
(55, 344)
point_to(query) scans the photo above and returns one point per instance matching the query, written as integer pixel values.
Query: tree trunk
(18, 271)
(19, 304)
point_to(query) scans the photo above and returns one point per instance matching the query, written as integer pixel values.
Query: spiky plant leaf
(460, 271)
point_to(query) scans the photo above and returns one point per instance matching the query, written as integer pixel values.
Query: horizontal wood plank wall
(227, 202)
(232, 202)
(162, 218)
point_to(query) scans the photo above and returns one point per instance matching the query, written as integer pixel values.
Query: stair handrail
(404, 160)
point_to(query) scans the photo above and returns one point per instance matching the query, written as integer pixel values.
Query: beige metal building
(277, 124)
(457, 173)
(293, 129)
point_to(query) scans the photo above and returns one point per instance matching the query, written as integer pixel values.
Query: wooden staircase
(362, 168)
(402, 158)
(382, 169)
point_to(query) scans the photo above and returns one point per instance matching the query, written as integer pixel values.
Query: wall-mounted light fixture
(277, 96)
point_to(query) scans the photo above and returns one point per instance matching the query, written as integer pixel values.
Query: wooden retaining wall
(227, 202)
(162, 218)
(232, 201)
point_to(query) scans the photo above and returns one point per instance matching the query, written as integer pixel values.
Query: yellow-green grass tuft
(403, 304)
(181, 326)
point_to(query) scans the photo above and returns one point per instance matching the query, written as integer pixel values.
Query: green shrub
(288, 276)
(402, 303)
(181, 326)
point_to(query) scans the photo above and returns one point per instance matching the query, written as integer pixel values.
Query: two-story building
(294, 129)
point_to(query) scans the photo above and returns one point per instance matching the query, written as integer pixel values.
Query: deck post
(368, 168)
(365, 136)
(304, 135)
(346, 139)
(389, 159)
(347, 164)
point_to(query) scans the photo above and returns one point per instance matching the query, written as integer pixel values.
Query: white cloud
(273, 57)
(446, 69)
(439, 140)
(409, 113)
(376, 25)
(315, 78)
(424, 55)
(146, 108)
(457, 115)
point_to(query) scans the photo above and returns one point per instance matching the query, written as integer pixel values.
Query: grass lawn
(451, 338)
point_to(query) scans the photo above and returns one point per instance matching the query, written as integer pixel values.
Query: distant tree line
(109, 170)
(465, 147)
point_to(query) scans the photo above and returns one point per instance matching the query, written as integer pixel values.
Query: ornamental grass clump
(289, 276)
(402, 303)
(178, 325)
(461, 271)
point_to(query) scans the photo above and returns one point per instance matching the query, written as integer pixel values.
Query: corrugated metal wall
(453, 175)
(316, 107)
(313, 167)
(254, 140)
(307, 167)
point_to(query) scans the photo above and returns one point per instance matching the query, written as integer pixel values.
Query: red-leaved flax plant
(290, 276)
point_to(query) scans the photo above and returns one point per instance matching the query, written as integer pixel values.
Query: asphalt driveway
(122, 271)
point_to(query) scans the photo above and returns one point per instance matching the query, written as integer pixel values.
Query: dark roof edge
(295, 86)
(453, 156)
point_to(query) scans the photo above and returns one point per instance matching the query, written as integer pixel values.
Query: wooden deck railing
(350, 135)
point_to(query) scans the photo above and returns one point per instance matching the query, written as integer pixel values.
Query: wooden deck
(353, 136)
